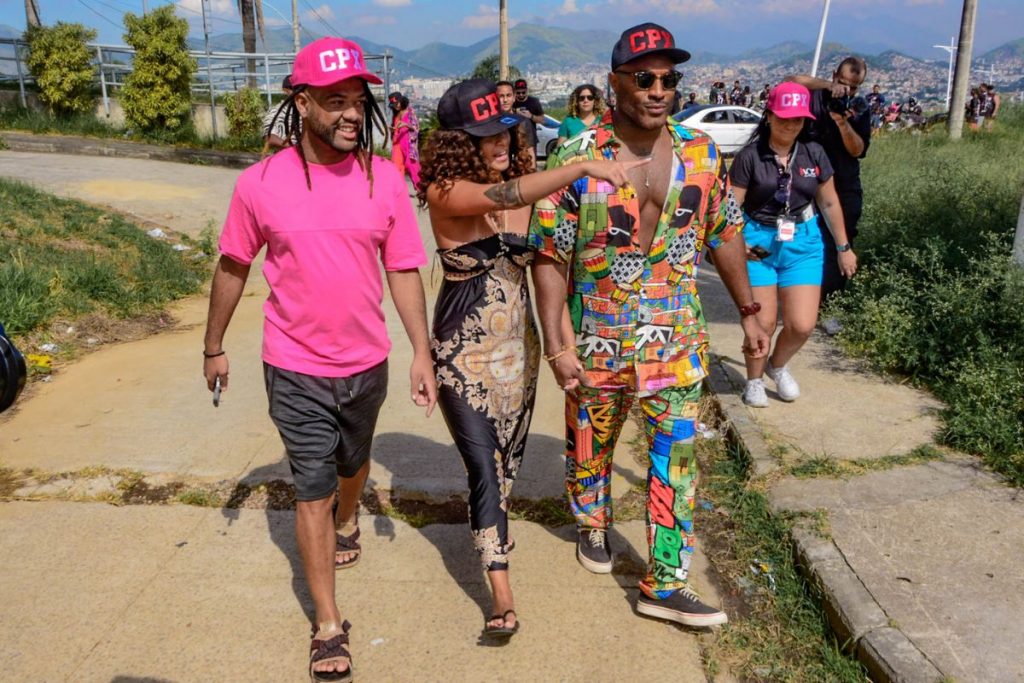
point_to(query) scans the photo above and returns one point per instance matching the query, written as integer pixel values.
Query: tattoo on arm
(506, 195)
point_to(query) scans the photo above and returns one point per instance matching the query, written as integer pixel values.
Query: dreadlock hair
(373, 117)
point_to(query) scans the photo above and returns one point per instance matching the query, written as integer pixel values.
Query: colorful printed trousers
(594, 419)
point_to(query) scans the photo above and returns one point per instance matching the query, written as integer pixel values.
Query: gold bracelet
(554, 356)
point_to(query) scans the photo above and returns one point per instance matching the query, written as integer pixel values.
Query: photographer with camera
(842, 125)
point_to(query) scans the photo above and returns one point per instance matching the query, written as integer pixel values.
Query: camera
(840, 105)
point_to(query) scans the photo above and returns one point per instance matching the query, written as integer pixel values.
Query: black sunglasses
(585, 98)
(645, 79)
(782, 188)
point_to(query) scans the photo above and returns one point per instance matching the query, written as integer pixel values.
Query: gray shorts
(326, 423)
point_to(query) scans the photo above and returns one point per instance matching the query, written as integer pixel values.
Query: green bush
(244, 110)
(938, 298)
(157, 92)
(61, 64)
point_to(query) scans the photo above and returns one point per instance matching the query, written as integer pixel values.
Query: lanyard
(788, 171)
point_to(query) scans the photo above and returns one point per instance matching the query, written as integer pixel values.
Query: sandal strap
(345, 543)
(330, 648)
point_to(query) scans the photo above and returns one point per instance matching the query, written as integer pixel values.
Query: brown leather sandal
(332, 648)
(347, 544)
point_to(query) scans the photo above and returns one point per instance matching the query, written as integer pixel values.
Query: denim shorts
(798, 262)
(326, 423)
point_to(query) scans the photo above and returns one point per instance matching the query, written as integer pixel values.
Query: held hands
(847, 263)
(422, 383)
(569, 371)
(614, 172)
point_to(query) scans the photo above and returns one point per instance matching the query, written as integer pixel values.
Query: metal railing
(218, 73)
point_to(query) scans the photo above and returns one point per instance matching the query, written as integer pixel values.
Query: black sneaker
(684, 607)
(593, 552)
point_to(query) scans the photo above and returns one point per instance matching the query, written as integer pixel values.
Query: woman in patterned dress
(485, 345)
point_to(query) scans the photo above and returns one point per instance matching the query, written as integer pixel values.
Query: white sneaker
(754, 394)
(787, 387)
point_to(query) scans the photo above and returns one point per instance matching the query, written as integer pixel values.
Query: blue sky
(721, 26)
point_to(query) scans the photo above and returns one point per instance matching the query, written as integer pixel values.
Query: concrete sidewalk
(201, 594)
(920, 558)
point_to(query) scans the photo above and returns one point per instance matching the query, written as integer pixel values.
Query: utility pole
(32, 13)
(503, 39)
(821, 38)
(295, 25)
(145, 8)
(209, 71)
(962, 78)
(951, 49)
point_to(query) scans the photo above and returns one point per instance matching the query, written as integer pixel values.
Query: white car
(728, 125)
(547, 136)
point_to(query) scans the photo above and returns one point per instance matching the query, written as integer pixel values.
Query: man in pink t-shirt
(330, 214)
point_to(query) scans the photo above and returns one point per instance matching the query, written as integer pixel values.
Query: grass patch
(61, 258)
(938, 299)
(824, 466)
(17, 118)
(778, 631)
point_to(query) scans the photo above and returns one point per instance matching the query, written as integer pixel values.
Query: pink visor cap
(790, 100)
(329, 60)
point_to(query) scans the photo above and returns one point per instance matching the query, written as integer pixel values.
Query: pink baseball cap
(790, 100)
(329, 60)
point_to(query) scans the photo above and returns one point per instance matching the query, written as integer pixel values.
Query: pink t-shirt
(325, 247)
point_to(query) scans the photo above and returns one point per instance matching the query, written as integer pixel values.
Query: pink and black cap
(646, 39)
(329, 60)
(472, 106)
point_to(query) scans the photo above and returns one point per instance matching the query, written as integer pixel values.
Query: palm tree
(251, 12)
(32, 13)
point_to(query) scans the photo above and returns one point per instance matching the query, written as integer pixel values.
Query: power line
(101, 16)
(323, 21)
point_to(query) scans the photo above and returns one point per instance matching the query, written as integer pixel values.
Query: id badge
(785, 229)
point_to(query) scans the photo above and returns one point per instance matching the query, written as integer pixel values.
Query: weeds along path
(185, 198)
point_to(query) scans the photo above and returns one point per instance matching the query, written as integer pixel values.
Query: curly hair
(451, 155)
(574, 100)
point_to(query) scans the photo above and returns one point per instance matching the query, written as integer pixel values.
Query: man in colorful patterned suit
(626, 263)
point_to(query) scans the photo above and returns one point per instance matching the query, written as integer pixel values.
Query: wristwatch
(750, 309)
(844, 247)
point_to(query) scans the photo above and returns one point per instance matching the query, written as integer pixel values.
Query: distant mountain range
(544, 48)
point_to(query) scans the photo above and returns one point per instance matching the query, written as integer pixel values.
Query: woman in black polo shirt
(777, 178)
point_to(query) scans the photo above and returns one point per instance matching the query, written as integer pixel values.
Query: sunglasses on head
(645, 79)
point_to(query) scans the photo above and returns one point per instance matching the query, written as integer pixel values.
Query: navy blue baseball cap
(472, 106)
(646, 39)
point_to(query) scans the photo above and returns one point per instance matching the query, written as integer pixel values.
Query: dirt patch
(125, 189)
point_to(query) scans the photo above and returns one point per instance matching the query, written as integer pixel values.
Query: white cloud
(568, 7)
(217, 7)
(664, 7)
(324, 11)
(392, 3)
(373, 20)
(486, 17)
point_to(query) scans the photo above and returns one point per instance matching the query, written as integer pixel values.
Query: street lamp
(951, 49)
(821, 38)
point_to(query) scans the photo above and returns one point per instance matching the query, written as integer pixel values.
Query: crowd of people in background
(983, 107)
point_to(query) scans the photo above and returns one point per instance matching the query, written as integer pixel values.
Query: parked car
(547, 136)
(728, 125)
